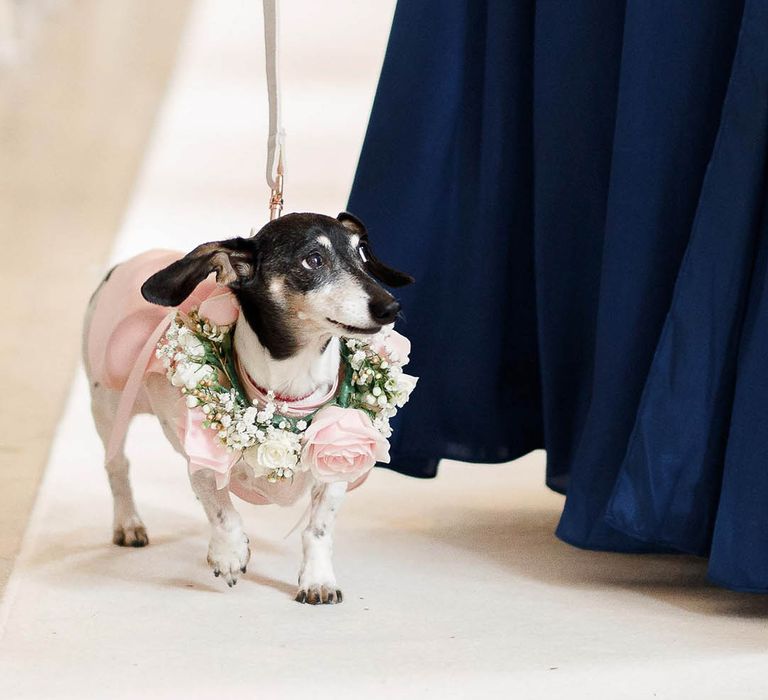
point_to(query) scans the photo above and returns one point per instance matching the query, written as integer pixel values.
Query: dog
(302, 282)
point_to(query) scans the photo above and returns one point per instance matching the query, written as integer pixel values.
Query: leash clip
(276, 198)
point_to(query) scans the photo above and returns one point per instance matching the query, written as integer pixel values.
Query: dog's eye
(312, 261)
(363, 251)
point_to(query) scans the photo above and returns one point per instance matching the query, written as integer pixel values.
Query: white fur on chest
(312, 368)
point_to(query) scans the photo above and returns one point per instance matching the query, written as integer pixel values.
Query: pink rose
(341, 444)
(201, 447)
(221, 308)
(389, 343)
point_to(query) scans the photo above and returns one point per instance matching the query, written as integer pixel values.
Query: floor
(454, 588)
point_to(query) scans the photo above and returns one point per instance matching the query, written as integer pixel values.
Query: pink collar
(294, 405)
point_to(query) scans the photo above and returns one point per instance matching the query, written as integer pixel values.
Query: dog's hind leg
(228, 551)
(317, 582)
(128, 530)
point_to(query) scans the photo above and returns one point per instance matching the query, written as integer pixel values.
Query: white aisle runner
(453, 588)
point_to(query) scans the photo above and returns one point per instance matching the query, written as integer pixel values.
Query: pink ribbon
(203, 451)
(132, 387)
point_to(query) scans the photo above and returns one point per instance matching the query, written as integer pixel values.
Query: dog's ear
(233, 261)
(383, 273)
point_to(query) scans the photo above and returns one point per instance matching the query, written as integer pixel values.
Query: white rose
(278, 451)
(192, 345)
(405, 384)
(190, 374)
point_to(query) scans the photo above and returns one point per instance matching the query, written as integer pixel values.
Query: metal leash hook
(276, 198)
(276, 136)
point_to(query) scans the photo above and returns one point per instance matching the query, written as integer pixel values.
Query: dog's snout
(384, 311)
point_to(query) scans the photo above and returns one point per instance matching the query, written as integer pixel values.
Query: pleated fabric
(579, 189)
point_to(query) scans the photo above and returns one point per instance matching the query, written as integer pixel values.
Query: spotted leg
(317, 582)
(228, 551)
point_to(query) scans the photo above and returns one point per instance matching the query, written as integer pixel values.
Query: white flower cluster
(270, 450)
(183, 356)
(271, 443)
(380, 385)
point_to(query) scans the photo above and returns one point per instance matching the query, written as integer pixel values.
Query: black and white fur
(302, 281)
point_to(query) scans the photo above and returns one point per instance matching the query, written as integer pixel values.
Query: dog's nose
(384, 312)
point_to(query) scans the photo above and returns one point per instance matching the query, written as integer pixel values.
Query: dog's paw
(130, 534)
(319, 594)
(228, 556)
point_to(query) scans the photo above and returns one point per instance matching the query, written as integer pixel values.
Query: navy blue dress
(579, 189)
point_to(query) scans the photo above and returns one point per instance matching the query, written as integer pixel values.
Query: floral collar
(338, 438)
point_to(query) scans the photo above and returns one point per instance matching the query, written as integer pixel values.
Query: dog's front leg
(317, 582)
(228, 551)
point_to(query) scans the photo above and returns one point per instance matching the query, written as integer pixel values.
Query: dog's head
(301, 276)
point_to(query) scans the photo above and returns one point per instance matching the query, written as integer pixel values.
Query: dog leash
(276, 142)
(276, 136)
